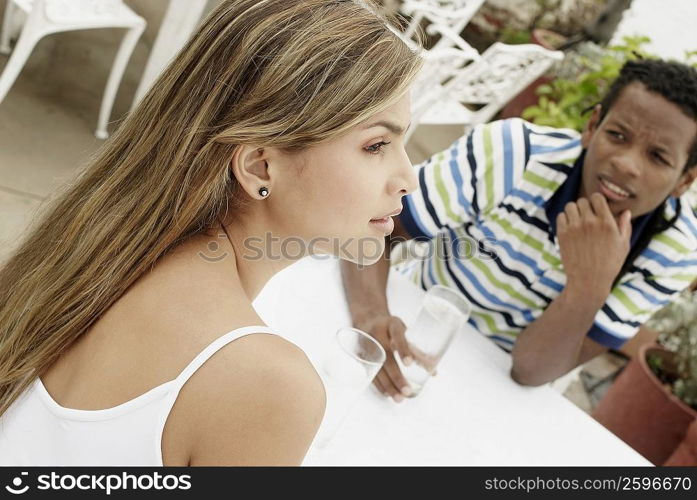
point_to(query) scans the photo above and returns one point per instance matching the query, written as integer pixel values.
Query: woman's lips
(385, 224)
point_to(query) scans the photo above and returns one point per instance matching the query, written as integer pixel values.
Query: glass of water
(347, 369)
(443, 312)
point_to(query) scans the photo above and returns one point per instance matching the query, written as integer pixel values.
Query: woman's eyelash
(376, 148)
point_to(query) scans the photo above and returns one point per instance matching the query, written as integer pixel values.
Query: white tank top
(36, 430)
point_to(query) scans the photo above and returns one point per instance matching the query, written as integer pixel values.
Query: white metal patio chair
(440, 65)
(453, 14)
(44, 17)
(479, 90)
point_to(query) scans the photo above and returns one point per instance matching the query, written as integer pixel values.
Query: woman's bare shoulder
(258, 401)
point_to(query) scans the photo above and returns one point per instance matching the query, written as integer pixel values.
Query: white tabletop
(471, 413)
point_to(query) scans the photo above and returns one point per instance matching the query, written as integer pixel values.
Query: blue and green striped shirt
(483, 206)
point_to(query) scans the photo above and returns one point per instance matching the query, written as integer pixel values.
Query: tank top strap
(212, 348)
(176, 385)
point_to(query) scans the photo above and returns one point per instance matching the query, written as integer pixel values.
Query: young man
(577, 239)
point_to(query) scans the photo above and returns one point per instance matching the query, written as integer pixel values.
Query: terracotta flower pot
(642, 412)
(686, 452)
(548, 39)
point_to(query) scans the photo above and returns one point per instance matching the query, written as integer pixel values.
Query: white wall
(671, 24)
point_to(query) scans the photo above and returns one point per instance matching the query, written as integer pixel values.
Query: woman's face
(339, 197)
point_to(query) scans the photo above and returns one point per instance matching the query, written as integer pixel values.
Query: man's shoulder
(516, 139)
(519, 124)
(528, 142)
(546, 155)
(685, 226)
(675, 246)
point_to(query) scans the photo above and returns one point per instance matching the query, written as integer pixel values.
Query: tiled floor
(44, 143)
(17, 209)
(594, 380)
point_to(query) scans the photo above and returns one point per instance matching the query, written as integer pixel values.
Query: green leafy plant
(677, 327)
(514, 36)
(563, 102)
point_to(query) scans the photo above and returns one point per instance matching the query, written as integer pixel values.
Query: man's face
(636, 156)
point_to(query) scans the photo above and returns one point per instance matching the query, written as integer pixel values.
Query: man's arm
(366, 286)
(366, 293)
(593, 247)
(556, 342)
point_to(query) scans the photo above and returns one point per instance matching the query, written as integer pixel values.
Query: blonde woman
(127, 332)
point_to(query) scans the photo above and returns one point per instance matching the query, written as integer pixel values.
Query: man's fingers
(387, 387)
(562, 222)
(625, 224)
(584, 208)
(379, 386)
(389, 331)
(396, 377)
(397, 331)
(600, 206)
(573, 216)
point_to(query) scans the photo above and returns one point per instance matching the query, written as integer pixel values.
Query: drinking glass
(443, 312)
(347, 369)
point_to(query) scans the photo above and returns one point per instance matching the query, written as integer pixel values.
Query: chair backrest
(500, 74)
(454, 14)
(441, 64)
(70, 11)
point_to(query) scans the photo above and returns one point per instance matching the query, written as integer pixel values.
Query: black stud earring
(263, 192)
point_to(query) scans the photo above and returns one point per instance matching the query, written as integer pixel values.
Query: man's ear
(685, 181)
(591, 127)
(250, 167)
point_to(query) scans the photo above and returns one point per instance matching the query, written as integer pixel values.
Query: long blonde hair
(281, 73)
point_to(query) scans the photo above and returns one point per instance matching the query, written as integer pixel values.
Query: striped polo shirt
(482, 209)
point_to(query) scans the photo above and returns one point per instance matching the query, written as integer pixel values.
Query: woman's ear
(685, 181)
(250, 167)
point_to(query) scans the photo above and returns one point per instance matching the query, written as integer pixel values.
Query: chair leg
(122, 56)
(6, 32)
(20, 54)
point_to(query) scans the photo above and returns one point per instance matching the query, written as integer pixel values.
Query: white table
(471, 413)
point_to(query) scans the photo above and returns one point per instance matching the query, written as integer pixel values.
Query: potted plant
(653, 402)
(583, 79)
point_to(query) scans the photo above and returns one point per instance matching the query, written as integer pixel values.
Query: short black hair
(675, 81)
